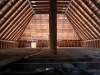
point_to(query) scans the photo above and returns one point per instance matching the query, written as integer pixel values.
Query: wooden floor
(77, 56)
(68, 52)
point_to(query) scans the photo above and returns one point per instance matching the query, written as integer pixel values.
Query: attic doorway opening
(33, 43)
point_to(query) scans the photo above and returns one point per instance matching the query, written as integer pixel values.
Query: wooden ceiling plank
(16, 15)
(69, 4)
(14, 31)
(63, 6)
(91, 13)
(18, 28)
(80, 36)
(17, 24)
(47, 8)
(7, 8)
(97, 3)
(80, 26)
(85, 22)
(7, 15)
(20, 31)
(88, 14)
(92, 7)
(30, 5)
(77, 27)
(43, 3)
(18, 39)
(47, 12)
(74, 28)
(3, 3)
(49, 0)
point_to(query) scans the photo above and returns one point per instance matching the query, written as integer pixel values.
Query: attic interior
(41, 36)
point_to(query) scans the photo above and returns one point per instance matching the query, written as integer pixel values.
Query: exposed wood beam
(11, 22)
(49, 0)
(78, 25)
(43, 3)
(24, 29)
(83, 21)
(30, 5)
(25, 23)
(53, 26)
(17, 30)
(97, 3)
(3, 3)
(47, 6)
(68, 5)
(88, 16)
(74, 28)
(47, 12)
(92, 7)
(7, 8)
(8, 14)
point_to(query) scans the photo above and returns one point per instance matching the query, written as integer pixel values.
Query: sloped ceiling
(84, 16)
(14, 17)
(42, 6)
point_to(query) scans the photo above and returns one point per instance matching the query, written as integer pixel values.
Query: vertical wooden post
(0, 45)
(53, 26)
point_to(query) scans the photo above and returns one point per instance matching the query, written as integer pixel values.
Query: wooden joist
(11, 60)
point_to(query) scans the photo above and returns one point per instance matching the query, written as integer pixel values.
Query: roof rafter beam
(76, 25)
(78, 34)
(85, 22)
(14, 33)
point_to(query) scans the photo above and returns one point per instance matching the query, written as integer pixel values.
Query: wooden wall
(24, 44)
(91, 43)
(69, 43)
(8, 44)
(38, 28)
